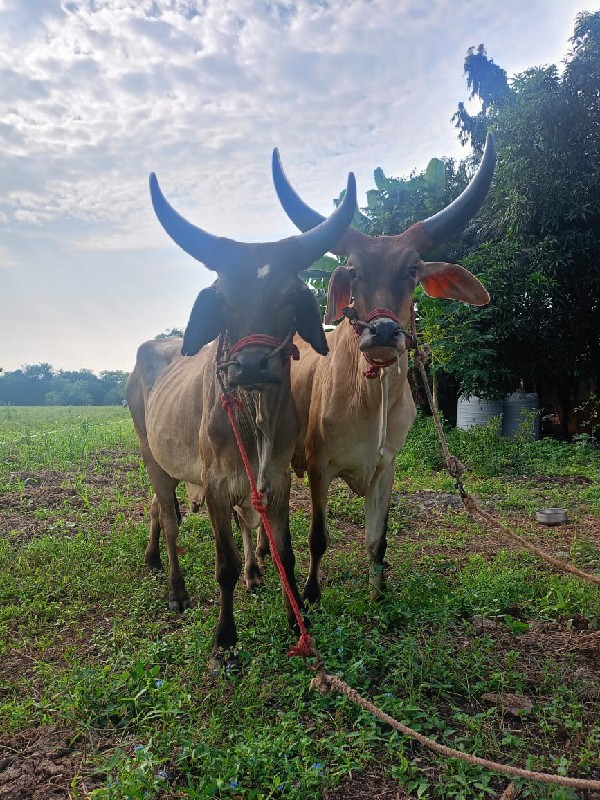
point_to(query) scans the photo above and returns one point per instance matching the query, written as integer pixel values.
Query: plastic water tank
(476, 411)
(521, 415)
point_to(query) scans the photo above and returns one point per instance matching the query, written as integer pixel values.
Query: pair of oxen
(343, 409)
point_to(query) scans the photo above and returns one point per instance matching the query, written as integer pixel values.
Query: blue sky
(95, 94)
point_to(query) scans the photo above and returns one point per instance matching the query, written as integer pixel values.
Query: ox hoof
(311, 595)
(224, 662)
(154, 564)
(179, 604)
(254, 580)
(377, 593)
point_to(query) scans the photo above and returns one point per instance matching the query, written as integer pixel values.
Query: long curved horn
(303, 216)
(323, 238)
(221, 254)
(452, 219)
(215, 251)
(439, 227)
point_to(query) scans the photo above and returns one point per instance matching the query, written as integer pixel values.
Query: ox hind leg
(165, 516)
(263, 548)
(248, 522)
(377, 507)
(278, 515)
(152, 554)
(318, 535)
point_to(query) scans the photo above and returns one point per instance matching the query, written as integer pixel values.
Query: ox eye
(352, 273)
(413, 271)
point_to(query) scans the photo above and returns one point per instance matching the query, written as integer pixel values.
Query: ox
(353, 427)
(175, 391)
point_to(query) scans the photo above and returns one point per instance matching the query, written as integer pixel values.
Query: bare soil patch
(41, 763)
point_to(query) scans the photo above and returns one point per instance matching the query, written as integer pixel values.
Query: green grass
(88, 645)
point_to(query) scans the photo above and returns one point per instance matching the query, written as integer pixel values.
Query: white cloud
(98, 93)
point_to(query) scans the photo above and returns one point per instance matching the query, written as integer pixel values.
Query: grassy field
(104, 692)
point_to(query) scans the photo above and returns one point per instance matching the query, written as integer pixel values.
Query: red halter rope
(287, 348)
(230, 404)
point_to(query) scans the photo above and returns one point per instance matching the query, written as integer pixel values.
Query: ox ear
(206, 321)
(338, 294)
(451, 282)
(308, 321)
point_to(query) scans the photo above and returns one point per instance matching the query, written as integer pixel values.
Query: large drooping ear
(206, 321)
(451, 282)
(308, 320)
(338, 294)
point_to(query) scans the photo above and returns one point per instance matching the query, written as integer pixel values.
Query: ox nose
(381, 332)
(253, 367)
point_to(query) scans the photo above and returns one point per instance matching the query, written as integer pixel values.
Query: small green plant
(89, 646)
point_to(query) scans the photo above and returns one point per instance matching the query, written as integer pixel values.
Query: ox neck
(262, 417)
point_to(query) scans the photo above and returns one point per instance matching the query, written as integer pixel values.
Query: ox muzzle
(380, 331)
(253, 367)
(258, 360)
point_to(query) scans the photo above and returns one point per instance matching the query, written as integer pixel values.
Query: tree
(170, 332)
(40, 384)
(539, 233)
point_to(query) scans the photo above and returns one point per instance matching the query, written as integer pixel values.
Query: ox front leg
(228, 566)
(377, 506)
(279, 520)
(318, 536)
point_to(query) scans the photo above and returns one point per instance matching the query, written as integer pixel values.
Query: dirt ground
(52, 763)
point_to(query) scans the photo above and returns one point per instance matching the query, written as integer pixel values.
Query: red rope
(304, 645)
(377, 313)
(290, 351)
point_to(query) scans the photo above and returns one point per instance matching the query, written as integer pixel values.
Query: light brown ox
(174, 396)
(353, 427)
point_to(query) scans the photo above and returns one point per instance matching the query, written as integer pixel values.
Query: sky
(96, 94)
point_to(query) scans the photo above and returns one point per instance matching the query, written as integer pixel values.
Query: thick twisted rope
(325, 682)
(456, 469)
(304, 646)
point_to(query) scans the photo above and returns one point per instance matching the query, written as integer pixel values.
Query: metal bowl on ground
(551, 516)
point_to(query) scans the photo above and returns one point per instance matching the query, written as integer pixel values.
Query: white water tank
(521, 415)
(473, 410)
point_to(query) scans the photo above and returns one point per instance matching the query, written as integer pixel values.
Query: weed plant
(88, 645)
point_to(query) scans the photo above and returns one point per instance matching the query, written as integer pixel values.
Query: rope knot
(455, 467)
(321, 683)
(228, 401)
(257, 502)
(303, 647)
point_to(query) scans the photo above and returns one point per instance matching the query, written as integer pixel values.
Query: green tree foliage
(536, 243)
(170, 332)
(488, 83)
(542, 259)
(40, 384)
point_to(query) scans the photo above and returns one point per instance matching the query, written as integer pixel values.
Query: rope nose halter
(286, 349)
(359, 325)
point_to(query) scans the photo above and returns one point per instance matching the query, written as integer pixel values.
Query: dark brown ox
(353, 426)
(175, 392)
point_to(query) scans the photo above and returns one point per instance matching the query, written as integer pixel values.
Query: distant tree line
(42, 385)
